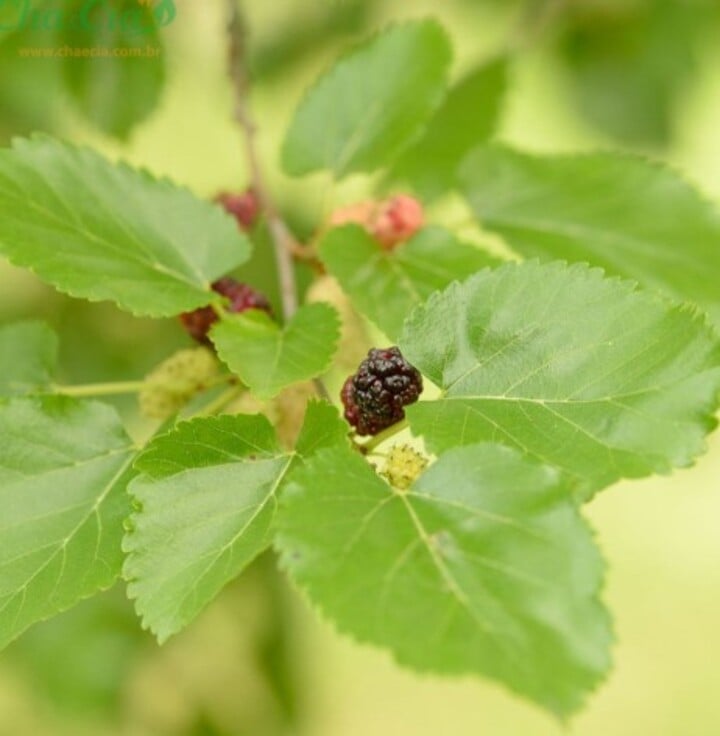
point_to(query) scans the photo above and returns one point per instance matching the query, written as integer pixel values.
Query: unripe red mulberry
(397, 220)
(391, 221)
(241, 298)
(243, 206)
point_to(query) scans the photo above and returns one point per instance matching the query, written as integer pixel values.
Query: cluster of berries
(375, 396)
(245, 208)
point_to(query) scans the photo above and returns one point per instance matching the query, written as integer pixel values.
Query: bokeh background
(635, 74)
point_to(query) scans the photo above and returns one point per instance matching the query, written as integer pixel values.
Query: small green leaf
(94, 82)
(632, 217)
(322, 428)
(484, 566)
(64, 468)
(103, 231)
(574, 369)
(386, 285)
(267, 357)
(467, 118)
(28, 355)
(371, 103)
(207, 498)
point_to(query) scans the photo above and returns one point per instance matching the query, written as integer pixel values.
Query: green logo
(130, 17)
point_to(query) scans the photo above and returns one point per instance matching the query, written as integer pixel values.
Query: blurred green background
(637, 74)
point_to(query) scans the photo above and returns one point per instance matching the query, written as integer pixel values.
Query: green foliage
(80, 660)
(544, 382)
(64, 468)
(322, 428)
(259, 270)
(30, 90)
(371, 103)
(103, 231)
(630, 63)
(115, 93)
(386, 285)
(632, 217)
(483, 566)
(28, 354)
(206, 499)
(268, 357)
(292, 43)
(468, 116)
(575, 370)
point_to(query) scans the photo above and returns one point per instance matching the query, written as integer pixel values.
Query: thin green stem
(386, 434)
(126, 387)
(220, 402)
(100, 389)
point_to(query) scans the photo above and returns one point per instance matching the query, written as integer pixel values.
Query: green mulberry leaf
(467, 117)
(100, 231)
(371, 103)
(484, 566)
(64, 469)
(387, 285)
(576, 370)
(28, 356)
(268, 357)
(629, 216)
(205, 498)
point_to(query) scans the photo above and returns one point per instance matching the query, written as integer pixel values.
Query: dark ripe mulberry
(374, 398)
(241, 297)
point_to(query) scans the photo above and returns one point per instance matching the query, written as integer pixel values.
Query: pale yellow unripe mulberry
(176, 380)
(404, 466)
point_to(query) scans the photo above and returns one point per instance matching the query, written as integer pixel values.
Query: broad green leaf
(31, 88)
(79, 661)
(387, 285)
(484, 566)
(292, 43)
(64, 468)
(206, 500)
(268, 357)
(468, 117)
(630, 64)
(576, 370)
(116, 92)
(631, 217)
(99, 230)
(371, 103)
(28, 355)
(322, 428)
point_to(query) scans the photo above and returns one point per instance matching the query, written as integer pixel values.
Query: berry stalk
(100, 389)
(383, 436)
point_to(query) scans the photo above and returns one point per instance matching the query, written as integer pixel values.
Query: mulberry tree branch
(284, 243)
(283, 240)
